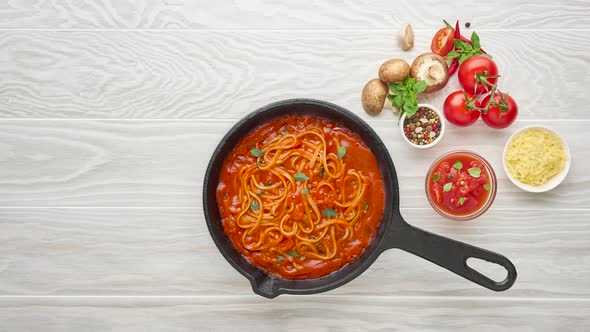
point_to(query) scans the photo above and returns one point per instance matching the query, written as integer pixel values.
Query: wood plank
(162, 163)
(317, 313)
(231, 14)
(217, 74)
(108, 252)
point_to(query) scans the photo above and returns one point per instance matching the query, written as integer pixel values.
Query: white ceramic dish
(555, 181)
(442, 128)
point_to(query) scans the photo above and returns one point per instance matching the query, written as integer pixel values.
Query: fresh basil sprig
(465, 50)
(403, 95)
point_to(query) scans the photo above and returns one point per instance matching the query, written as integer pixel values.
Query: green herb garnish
(300, 177)
(487, 187)
(255, 206)
(256, 152)
(260, 191)
(436, 177)
(304, 191)
(279, 259)
(461, 200)
(475, 172)
(341, 152)
(458, 165)
(464, 50)
(293, 253)
(403, 95)
(329, 213)
(448, 186)
(284, 132)
(366, 208)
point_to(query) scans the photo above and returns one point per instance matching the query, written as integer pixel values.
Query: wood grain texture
(216, 74)
(162, 163)
(160, 252)
(306, 15)
(312, 313)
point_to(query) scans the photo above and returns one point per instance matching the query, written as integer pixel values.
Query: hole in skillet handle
(448, 253)
(495, 272)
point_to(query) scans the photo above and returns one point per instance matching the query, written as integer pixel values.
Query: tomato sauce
(358, 157)
(459, 184)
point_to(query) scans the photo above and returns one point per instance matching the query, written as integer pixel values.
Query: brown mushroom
(374, 96)
(431, 68)
(394, 70)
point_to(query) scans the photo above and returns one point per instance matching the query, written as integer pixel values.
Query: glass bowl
(484, 207)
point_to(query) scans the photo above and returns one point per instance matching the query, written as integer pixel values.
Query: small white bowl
(555, 181)
(443, 127)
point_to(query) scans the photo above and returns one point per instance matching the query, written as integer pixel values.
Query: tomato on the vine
(478, 74)
(442, 43)
(460, 108)
(502, 112)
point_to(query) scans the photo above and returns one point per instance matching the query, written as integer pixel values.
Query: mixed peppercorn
(423, 127)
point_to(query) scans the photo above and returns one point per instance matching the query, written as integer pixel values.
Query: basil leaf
(461, 200)
(410, 109)
(329, 213)
(458, 165)
(279, 259)
(300, 177)
(396, 88)
(436, 177)
(341, 152)
(487, 187)
(366, 207)
(458, 43)
(475, 41)
(448, 186)
(293, 253)
(256, 153)
(304, 191)
(420, 86)
(284, 132)
(453, 54)
(398, 101)
(390, 98)
(464, 57)
(255, 206)
(475, 172)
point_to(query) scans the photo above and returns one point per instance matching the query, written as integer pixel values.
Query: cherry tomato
(456, 111)
(442, 43)
(474, 66)
(496, 117)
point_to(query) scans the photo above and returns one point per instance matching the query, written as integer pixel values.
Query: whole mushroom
(433, 69)
(394, 70)
(374, 96)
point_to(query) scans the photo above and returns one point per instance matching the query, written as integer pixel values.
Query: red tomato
(496, 117)
(456, 111)
(442, 43)
(474, 66)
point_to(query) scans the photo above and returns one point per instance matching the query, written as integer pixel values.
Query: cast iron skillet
(394, 232)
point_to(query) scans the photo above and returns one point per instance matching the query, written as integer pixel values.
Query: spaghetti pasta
(301, 196)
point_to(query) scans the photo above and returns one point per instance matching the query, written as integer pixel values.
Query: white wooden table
(110, 110)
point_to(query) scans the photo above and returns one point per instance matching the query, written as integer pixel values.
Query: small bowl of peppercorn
(424, 129)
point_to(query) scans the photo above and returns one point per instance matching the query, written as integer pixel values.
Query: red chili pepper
(453, 66)
(455, 63)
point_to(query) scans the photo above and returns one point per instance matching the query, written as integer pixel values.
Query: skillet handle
(450, 254)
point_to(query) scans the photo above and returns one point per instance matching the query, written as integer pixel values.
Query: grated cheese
(535, 156)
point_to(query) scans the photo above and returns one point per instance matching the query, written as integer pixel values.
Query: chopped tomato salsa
(459, 184)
